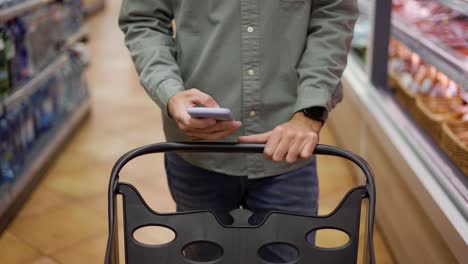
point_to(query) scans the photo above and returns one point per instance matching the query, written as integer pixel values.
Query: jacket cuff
(164, 91)
(312, 97)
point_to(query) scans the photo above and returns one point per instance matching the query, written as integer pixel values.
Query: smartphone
(223, 114)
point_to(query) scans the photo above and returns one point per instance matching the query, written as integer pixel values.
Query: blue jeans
(194, 188)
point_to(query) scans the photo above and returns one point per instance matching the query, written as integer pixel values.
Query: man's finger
(294, 151)
(213, 135)
(257, 138)
(219, 126)
(199, 123)
(204, 99)
(282, 149)
(308, 150)
(271, 145)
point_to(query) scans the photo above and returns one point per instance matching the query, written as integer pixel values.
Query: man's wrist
(316, 113)
(315, 125)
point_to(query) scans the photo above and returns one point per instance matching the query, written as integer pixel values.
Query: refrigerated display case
(414, 142)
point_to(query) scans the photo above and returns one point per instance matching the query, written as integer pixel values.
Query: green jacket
(263, 59)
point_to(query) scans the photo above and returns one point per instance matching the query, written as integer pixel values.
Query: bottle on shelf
(6, 55)
(6, 150)
(19, 65)
(17, 159)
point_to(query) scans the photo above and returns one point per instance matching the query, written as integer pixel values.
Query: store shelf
(18, 9)
(38, 159)
(32, 85)
(455, 67)
(458, 5)
(18, 96)
(81, 35)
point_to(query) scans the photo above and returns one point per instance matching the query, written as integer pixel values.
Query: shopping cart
(240, 242)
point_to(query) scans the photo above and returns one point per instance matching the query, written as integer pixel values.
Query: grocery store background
(71, 104)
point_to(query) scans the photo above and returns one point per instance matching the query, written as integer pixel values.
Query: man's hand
(198, 128)
(294, 139)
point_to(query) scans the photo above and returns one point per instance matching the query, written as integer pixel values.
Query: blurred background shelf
(44, 95)
(14, 195)
(18, 9)
(80, 36)
(455, 67)
(459, 5)
(32, 85)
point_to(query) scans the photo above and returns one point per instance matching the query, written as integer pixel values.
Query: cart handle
(239, 148)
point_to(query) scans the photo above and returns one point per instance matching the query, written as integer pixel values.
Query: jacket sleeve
(147, 25)
(325, 56)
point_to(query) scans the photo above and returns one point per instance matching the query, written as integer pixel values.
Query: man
(276, 64)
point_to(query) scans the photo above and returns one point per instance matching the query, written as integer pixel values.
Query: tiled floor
(64, 220)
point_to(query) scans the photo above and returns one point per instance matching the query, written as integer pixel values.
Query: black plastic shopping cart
(240, 242)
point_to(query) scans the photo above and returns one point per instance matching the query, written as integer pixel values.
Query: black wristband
(316, 113)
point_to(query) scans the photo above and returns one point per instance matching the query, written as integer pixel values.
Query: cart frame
(240, 242)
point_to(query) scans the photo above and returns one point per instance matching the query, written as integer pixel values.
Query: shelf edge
(18, 9)
(458, 5)
(28, 88)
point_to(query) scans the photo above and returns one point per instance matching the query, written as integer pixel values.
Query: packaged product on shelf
(44, 116)
(74, 21)
(72, 74)
(409, 72)
(14, 121)
(399, 58)
(49, 103)
(6, 150)
(443, 97)
(19, 65)
(443, 26)
(426, 93)
(40, 39)
(418, 79)
(429, 80)
(6, 55)
(441, 87)
(66, 76)
(395, 62)
(67, 19)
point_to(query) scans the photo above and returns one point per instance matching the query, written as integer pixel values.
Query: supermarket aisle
(65, 219)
